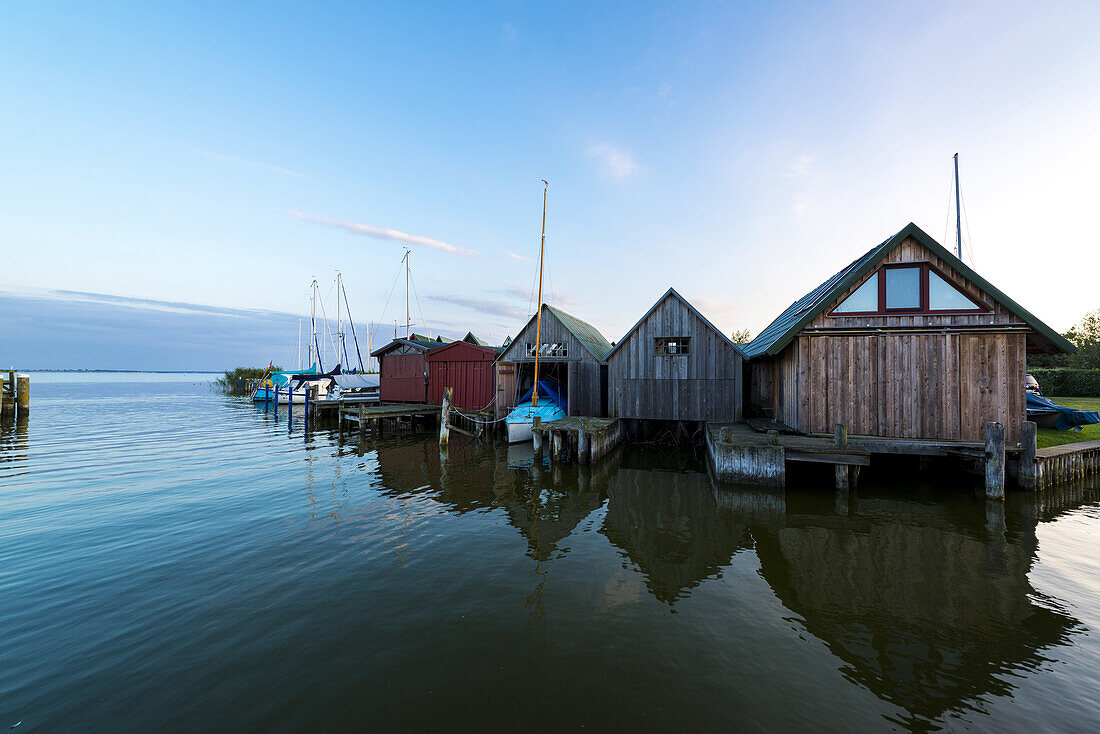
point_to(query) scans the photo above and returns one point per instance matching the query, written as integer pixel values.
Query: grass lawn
(1050, 437)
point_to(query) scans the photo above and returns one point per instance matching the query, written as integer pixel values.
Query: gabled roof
(780, 332)
(423, 346)
(472, 338)
(672, 293)
(442, 351)
(587, 334)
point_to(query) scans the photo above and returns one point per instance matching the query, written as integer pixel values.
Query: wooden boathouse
(403, 369)
(675, 365)
(572, 352)
(467, 368)
(906, 342)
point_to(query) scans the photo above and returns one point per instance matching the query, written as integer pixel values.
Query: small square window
(669, 346)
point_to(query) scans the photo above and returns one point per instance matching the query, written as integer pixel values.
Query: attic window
(668, 346)
(548, 350)
(907, 288)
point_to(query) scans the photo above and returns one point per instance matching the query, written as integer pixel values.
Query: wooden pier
(737, 453)
(370, 413)
(585, 440)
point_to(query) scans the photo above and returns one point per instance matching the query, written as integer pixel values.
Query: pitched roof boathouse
(674, 365)
(572, 352)
(905, 342)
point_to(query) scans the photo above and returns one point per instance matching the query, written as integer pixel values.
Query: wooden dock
(366, 413)
(737, 453)
(1057, 464)
(585, 440)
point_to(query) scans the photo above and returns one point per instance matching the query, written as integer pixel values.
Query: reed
(236, 382)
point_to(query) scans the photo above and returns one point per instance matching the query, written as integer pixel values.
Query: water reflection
(927, 605)
(924, 599)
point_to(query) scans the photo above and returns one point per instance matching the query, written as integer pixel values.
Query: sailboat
(546, 402)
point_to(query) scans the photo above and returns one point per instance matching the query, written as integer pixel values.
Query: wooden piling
(555, 446)
(842, 477)
(445, 418)
(536, 436)
(362, 422)
(994, 460)
(1028, 444)
(773, 437)
(725, 435)
(840, 435)
(584, 440)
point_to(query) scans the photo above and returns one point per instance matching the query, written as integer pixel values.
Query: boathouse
(572, 352)
(906, 342)
(674, 365)
(468, 369)
(403, 369)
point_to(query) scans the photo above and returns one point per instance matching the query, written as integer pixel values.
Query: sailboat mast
(958, 214)
(298, 361)
(314, 352)
(341, 352)
(408, 317)
(538, 317)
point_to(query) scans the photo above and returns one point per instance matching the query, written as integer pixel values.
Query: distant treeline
(235, 382)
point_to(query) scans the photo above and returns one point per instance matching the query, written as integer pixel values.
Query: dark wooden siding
(704, 385)
(925, 376)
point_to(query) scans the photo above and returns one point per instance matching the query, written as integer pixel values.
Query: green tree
(741, 336)
(1086, 337)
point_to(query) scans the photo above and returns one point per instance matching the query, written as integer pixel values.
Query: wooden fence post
(994, 460)
(1028, 442)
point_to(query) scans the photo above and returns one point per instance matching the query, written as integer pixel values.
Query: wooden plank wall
(584, 370)
(704, 385)
(932, 379)
(937, 386)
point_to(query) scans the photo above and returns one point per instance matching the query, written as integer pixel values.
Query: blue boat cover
(547, 389)
(1067, 417)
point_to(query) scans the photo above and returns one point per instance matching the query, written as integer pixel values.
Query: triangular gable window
(907, 288)
(864, 300)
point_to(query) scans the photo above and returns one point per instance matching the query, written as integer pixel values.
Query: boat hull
(519, 432)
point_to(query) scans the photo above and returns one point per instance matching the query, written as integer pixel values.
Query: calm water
(172, 559)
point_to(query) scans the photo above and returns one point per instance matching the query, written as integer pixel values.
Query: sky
(176, 174)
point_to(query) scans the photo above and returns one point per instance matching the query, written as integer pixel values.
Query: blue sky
(224, 156)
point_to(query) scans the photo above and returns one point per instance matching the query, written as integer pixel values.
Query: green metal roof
(586, 333)
(780, 332)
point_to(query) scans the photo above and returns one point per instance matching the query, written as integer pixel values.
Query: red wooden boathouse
(403, 370)
(468, 368)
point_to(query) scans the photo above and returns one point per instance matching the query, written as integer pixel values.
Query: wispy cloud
(231, 161)
(379, 233)
(559, 299)
(482, 305)
(521, 258)
(614, 162)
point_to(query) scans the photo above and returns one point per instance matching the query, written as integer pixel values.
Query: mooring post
(842, 477)
(362, 422)
(843, 501)
(555, 446)
(445, 418)
(994, 460)
(1028, 444)
(584, 439)
(24, 394)
(536, 436)
(840, 435)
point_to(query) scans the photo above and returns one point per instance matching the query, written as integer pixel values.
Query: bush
(234, 380)
(1068, 383)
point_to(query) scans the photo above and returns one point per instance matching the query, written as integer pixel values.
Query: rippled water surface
(171, 559)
